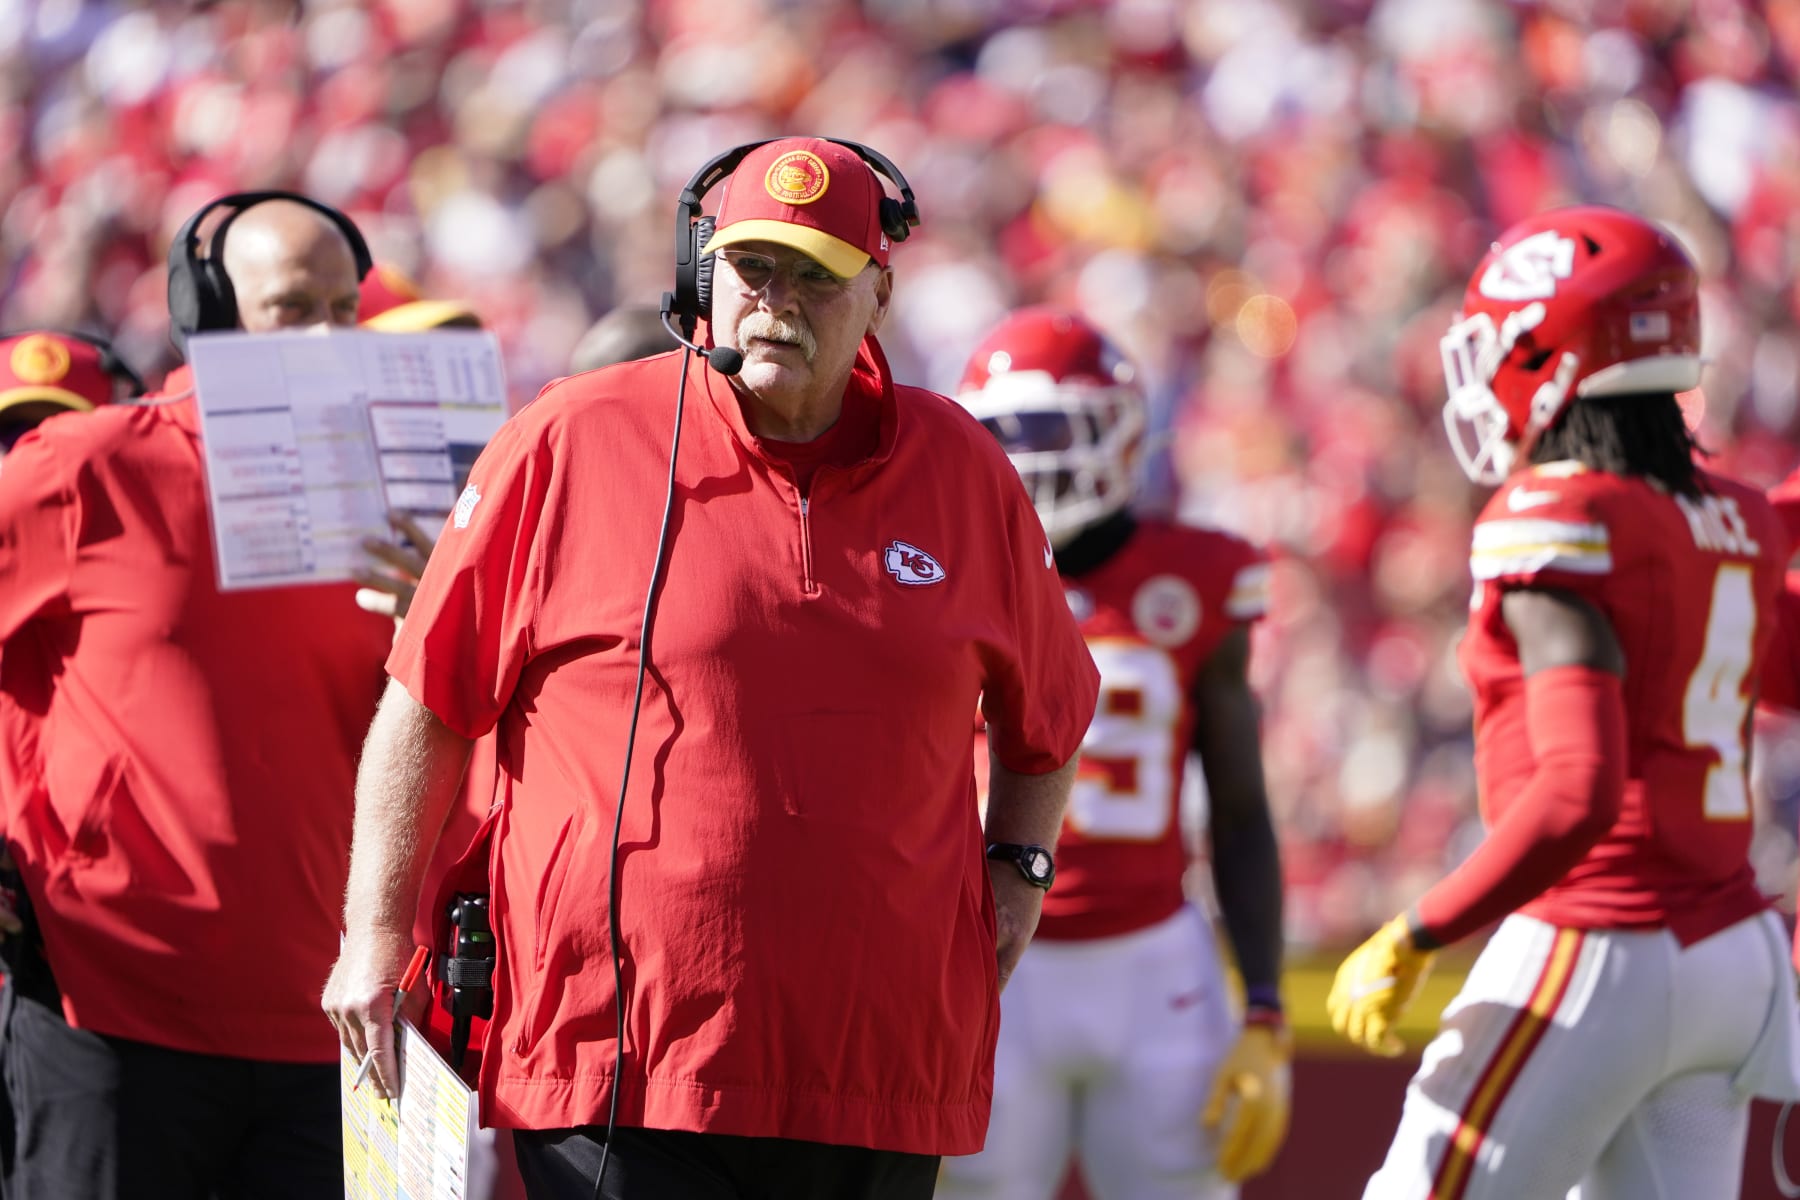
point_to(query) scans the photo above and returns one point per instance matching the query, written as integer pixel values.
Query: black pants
(660, 1164)
(91, 1117)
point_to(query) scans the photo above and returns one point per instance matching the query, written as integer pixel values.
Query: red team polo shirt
(808, 927)
(184, 826)
(1689, 589)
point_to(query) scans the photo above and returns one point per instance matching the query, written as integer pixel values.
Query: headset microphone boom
(722, 359)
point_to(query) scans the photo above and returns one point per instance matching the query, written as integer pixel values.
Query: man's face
(797, 325)
(290, 268)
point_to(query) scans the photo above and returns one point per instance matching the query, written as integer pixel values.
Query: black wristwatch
(1034, 862)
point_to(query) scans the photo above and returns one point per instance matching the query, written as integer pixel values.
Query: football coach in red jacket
(812, 926)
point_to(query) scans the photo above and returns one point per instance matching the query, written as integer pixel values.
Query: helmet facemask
(1073, 444)
(1480, 432)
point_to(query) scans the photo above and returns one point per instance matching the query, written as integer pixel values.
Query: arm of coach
(412, 765)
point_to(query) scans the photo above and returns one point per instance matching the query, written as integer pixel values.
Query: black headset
(691, 300)
(200, 293)
(110, 362)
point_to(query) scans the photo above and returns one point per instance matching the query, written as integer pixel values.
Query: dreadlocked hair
(1626, 435)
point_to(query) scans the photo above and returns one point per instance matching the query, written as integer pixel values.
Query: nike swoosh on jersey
(1518, 500)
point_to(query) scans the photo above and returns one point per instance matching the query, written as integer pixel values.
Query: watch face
(1038, 863)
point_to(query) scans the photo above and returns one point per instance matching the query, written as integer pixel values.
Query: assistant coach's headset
(686, 305)
(201, 297)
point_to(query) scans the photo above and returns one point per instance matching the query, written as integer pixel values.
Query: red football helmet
(1584, 301)
(1066, 405)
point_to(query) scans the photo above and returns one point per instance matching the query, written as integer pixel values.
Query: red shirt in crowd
(1153, 614)
(1689, 589)
(184, 825)
(808, 927)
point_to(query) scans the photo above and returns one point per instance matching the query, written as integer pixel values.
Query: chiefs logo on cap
(39, 360)
(799, 177)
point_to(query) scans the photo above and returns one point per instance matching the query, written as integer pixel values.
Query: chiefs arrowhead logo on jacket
(911, 565)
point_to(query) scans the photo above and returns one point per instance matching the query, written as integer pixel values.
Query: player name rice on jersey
(1718, 526)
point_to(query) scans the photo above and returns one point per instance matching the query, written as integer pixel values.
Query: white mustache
(774, 329)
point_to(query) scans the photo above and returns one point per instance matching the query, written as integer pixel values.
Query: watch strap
(1025, 857)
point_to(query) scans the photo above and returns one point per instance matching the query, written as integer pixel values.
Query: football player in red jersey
(1118, 1040)
(1637, 992)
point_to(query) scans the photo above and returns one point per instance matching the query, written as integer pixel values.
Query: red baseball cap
(46, 366)
(389, 301)
(816, 196)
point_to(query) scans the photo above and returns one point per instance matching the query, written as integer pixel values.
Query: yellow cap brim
(834, 254)
(54, 395)
(419, 315)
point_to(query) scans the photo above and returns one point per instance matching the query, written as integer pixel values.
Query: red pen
(407, 981)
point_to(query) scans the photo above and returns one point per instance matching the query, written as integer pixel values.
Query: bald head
(290, 268)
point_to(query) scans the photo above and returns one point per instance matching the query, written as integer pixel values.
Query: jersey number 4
(1125, 791)
(1715, 707)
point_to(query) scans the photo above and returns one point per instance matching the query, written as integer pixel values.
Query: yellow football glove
(1374, 986)
(1251, 1096)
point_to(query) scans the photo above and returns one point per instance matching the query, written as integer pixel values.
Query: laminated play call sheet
(419, 1147)
(309, 439)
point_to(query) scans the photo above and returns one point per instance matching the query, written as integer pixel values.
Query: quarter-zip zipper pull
(807, 583)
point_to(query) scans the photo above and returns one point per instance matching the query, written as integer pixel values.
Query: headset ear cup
(219, 310)
(703, 268)
(893, 219)
(210, 310)
(184, 305)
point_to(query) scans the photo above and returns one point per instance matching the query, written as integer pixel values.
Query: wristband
(1262, 1005)
(1421, 937)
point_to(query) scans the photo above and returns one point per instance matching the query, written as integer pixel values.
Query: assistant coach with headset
(184, 845)
(809, 935)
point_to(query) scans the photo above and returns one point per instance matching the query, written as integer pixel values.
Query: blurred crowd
(1273, 204)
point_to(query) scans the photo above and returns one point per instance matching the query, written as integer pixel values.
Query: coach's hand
(388, 587)
(1017, 905)
(359, 999)
(1374, 986)
(1251, 1098)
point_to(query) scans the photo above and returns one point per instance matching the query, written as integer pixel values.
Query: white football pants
(1598, 1065)
(1107, 1050)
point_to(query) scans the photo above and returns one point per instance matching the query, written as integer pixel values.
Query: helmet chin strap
(1501, 461)
(1552, 394)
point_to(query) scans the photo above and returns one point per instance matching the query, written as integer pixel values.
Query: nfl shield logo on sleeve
(465, 506)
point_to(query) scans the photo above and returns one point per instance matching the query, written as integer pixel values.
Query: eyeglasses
(805, 275)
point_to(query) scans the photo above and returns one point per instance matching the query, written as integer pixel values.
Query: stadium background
(1272, 205)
